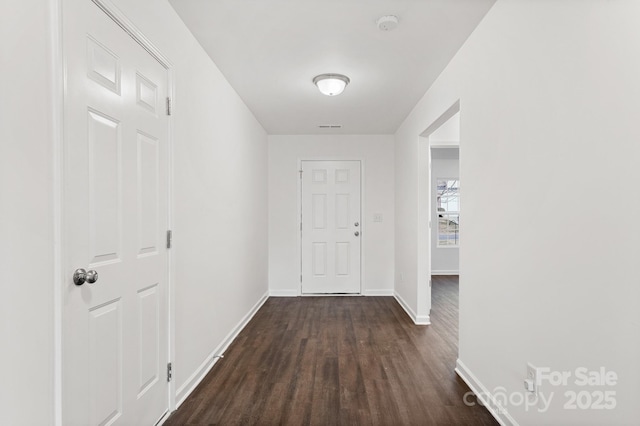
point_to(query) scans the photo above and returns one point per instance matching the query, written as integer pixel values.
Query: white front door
(115, 331)
(331, 227)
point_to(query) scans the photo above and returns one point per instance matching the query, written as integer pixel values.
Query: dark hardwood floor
(339, 361)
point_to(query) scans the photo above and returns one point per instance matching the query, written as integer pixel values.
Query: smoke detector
(387, 23)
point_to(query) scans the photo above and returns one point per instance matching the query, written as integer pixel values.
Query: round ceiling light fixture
(387, 23)
(331, 84)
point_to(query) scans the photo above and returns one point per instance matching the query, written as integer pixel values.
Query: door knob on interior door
(356, 233)
(92, 276)
(80, 276)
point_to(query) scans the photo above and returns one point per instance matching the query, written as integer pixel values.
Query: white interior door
(115, 331)
(331, 227)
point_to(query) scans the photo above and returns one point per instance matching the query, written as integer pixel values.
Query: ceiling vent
(330, 126)
(387, 23)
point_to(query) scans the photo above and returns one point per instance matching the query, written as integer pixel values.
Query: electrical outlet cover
(532, 374)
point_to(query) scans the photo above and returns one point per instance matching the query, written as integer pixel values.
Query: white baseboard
(422, 320)
(366, 292)
(488, 400)
(418, 320)
(194, 380)
(378, 292)
(164, 418)
(445, 272)
(283, 293)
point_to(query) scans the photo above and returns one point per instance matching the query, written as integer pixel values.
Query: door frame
(362, 216)
(425, 220)
(58, 77)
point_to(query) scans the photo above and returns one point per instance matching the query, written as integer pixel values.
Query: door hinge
(300, 226)
(168, 106)
(300, 171)
(169, 372)
(300, 278)
(169, 238)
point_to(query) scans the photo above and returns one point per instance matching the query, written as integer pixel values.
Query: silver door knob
(356, 233)
(92, 276)
(80, 276)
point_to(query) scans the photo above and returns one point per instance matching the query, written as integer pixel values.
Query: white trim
(164, 418)
(379, 292)
(445, 144)
(171, 269)
(283, 293)
(423, 320)
(444, 272)
(488, 400)
(418, 320)
(123, 21)
(57, 132)
(194, 380)
(443, 118)
(425, 220)
(331, 295)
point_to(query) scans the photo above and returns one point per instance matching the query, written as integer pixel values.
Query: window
(448, 207)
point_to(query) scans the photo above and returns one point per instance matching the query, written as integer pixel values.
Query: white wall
(285, 153)
(548, 94)
(220, 202)
(444, 164)
(26, 208)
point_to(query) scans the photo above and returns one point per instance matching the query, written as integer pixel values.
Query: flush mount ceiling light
(331, 84)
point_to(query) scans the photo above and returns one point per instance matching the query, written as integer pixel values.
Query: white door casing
(115, 331)
(331, 227)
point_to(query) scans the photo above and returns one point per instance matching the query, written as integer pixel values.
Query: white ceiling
(270, 50)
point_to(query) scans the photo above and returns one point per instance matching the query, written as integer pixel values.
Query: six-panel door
(115, 331)
(331, 227)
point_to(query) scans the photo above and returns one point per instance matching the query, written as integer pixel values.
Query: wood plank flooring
(339, 361)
